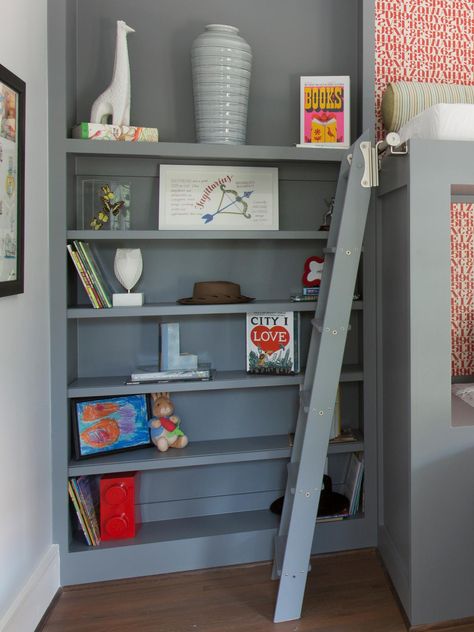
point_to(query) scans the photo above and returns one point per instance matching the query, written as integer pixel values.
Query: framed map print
(12, 171)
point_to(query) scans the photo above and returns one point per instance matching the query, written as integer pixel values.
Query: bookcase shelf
(144, 235)
(176, 309)
(198, 453)
(203, 152)
(223, 380)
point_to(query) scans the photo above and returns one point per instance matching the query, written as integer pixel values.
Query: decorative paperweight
(128, 268)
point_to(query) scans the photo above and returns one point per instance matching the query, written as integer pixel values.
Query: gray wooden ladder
(318, 394)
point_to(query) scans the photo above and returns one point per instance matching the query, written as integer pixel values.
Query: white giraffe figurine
(115, 101)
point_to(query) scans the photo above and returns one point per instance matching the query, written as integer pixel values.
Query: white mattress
(462, 405)
(445, 121)
(464, 392)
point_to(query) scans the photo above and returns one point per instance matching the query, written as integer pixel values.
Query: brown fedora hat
(215, 292)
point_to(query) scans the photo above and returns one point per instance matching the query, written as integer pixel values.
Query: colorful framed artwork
(201, 197)
(110, 424)
(324, 112)
(12, 178)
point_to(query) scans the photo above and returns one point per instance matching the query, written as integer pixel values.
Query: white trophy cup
(128, 268)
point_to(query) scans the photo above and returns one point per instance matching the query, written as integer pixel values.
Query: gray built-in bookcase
(206, 505)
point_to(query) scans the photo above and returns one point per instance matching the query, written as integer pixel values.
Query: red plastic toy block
(117, 506)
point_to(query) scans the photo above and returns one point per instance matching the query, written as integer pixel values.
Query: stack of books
(101, 131)
(83, 492)
(307, 294)
(155, 374)
(352, 485)
(98, 290)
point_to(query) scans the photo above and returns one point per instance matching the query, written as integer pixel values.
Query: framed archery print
(202, 197)
(12, 170)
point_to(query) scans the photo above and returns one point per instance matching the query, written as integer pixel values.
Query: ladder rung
(348, 250)
(305, 397)
(280, 547)
(317, 324)
(292, 476)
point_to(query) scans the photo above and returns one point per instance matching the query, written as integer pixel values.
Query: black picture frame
(12, 176)
(102, 425)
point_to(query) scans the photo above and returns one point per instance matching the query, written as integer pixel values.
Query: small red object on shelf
(117, 506)
(313, 269)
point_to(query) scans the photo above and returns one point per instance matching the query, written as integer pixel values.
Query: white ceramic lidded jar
(221, 62)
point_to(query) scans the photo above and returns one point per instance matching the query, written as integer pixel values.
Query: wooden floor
(346, 592)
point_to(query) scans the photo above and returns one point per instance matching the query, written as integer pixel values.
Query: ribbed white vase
(221, 63)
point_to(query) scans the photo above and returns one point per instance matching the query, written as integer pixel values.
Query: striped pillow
(403, 100)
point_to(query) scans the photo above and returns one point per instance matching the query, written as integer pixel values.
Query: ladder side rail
(334, 228)
(313, 351)
(308, 488)
(341, 189)
(316, 435)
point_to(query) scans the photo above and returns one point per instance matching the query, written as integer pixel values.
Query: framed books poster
(12, 156)
(201, 197)
(324, 112)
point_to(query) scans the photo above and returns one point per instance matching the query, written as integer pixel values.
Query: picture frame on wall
(104, 425)
(12, 179)
(325, 111)
(205, 197)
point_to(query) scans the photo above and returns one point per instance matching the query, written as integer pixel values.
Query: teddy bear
(164, 426)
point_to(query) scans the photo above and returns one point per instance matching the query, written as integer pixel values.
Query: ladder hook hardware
(371, 165)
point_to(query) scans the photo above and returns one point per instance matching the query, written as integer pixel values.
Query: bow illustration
(237, 202)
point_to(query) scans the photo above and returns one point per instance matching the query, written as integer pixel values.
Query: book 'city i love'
(273, 342)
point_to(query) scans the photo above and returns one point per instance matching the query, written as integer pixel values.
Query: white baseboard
(33, 600)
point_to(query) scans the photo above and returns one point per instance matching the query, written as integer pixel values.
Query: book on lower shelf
(352, 485)
(272, 342)
(128, 133)
(83, 492)
(155, 374)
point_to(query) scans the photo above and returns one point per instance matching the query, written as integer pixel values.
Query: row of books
(83, 492)
(89, 272)
(351, 489)
(306, 294)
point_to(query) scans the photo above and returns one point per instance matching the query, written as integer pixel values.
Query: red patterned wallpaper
(423, 40)
(433, 41)
(462, 288)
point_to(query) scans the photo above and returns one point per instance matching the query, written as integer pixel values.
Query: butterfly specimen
(109, 205)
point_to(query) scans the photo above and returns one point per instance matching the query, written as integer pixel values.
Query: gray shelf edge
(92, 387)
(145, 235)
(144, 538)
(224, 380)
(195, 151)
(175, 309)
(212, 455)
(222, 452)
